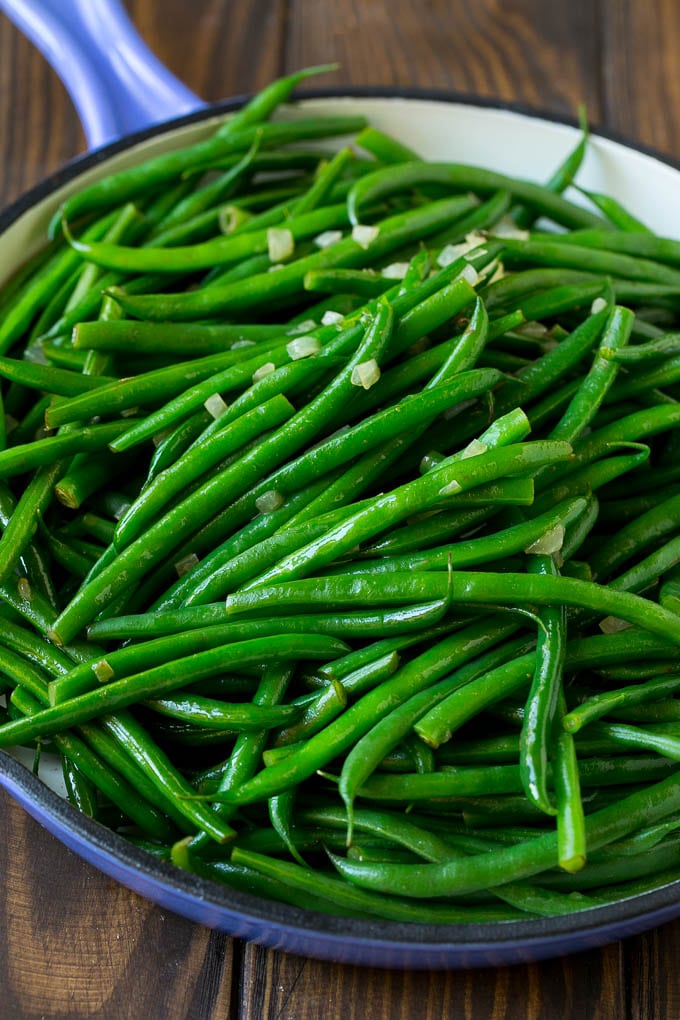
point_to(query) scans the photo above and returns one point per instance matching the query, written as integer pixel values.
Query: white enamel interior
(502, 140)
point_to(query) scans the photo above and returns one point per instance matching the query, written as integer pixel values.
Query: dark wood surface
(74, 943)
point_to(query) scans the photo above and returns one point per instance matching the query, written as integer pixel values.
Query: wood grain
(38, 129)
(641, 88)
(76, 944)
(517, 51)
(580, 986)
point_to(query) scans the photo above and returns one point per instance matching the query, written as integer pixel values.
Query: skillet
(131, 107)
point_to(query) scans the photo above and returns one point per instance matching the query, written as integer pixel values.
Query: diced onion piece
(24, 589)
(451, 488)
(612, 625)
(535, 330)
(395, 271)
(186, 564)
(492, 271)
(230, 217)
(327, 237)
(365, 374)
(263, 370)
(215, 406)
(364, 235)
(471, 275)
(302, 327)
(507, 228)
(121, 511)
(498, 273)
(330, 318)
(269, 501)
(598, 305)
(549, 543)
(303, 347)
(451, 252)
(103, 671)
(280, 244)
(238, 344)
(473, 449)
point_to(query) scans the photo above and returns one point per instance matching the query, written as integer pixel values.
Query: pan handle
(116, 83)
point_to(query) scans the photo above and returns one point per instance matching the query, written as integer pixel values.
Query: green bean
(197, 508)
(127, 184)
(154, 386)
(646, 572)
(330, 701)
(20, 528)
(593, 389)
(523, 860)
(413, 323)
(189, 340)
(456, 783)
(45, 377)
(160, 680)
(220, 251)
(358, 718)
(522, 285)
(543, 250)
(465, 178)
(397, 909)
(475, 551)
(657, 523)
(365, 282)
(397, 562)
(390, 728)
(151, 759)
(635, 737)
(664, 346)
(18, 317)
(558, 300)
(170, 482)
(394, 232)
(601, 704)
(544, 694)
(564, 174)
(80, 792)
(384, 147)
(42, 452)
(260, 106)
(196, 202)
(224, 573)
(113, 785)
(216, 714)
(571, 831)
(646, 245)
(419, 494)
(135, 658)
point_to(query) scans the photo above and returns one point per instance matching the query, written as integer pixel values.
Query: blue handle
(116, 83)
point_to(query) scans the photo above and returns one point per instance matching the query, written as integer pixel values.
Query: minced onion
(365, 374)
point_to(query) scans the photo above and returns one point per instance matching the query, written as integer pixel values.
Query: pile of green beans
(340, 544)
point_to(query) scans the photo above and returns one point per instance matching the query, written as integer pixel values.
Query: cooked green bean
(358, 541)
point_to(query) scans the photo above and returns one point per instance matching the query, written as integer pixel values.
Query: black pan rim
(598, 924)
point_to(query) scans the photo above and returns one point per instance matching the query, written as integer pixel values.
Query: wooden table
(75, 944)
